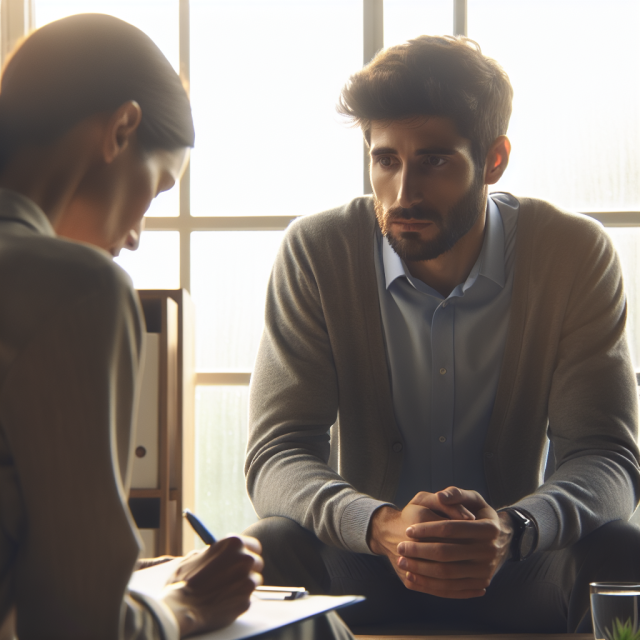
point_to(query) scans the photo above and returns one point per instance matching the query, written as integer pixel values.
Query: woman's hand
(212, 587)
(145, 563)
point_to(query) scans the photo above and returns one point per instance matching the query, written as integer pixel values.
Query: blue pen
(205, 535)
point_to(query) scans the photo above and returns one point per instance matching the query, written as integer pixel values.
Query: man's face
(427, 191)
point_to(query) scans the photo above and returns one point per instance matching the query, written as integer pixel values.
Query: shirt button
(397, 447)
(443, 371)
(444, 304)
(442, 439)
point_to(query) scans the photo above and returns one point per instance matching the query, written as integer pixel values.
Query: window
(264, 76)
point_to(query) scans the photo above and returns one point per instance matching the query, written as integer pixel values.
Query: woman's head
(86, 64)
(94, 123)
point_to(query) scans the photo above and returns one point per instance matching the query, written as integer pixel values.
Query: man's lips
(411, 225)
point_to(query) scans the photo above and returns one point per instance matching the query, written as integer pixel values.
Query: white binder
(145, 461)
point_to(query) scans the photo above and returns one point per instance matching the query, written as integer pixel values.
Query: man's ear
(121, 126)
(497, 160)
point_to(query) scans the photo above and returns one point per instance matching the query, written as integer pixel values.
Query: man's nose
(409, 189)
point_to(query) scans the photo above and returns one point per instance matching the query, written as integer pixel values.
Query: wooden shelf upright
(170, 313)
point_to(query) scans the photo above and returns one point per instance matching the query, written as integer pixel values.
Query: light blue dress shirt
(445, 356)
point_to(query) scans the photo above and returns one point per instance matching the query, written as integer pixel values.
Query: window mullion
(372, 42)
(17, 19)
(459, 17)
(185, 181)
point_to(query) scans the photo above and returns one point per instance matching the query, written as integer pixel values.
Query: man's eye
(385, 161)
(435, 161)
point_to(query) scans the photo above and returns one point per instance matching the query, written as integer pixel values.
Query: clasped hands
(448, 544)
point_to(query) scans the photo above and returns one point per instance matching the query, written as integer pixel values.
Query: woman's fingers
(214, 586)
(253, 544)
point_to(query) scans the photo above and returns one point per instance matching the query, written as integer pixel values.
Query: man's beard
(461, 217)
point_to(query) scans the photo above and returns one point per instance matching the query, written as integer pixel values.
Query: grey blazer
(566, 372)
(70, 347)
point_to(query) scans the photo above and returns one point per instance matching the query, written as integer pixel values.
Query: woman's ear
(121, 126)
(497, 160)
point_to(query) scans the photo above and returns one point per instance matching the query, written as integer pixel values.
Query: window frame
(17, 19)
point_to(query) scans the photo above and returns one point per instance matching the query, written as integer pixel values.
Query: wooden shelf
(170, 314)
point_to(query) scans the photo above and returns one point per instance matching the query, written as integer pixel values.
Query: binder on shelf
(145, 462)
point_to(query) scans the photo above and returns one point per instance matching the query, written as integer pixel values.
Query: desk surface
(505, 636)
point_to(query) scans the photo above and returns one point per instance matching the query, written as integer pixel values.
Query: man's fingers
(453, 495)
(447, 552)
(448, 509)
(454, 589)
(458, 529)
(416, 512)
(444, 570)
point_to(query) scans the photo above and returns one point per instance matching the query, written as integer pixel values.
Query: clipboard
(262, 616)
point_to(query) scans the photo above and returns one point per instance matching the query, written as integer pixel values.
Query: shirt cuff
(546, 519)
(354, 523)
(161, 612)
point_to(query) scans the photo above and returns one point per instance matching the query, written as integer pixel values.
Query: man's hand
(454, 558)
(212, 587)
(388, 526)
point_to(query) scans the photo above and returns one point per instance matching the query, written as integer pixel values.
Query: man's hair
(434, 76)
(87, 64)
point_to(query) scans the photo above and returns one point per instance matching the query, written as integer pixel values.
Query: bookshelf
(163, 465)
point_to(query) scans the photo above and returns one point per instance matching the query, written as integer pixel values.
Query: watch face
(527, 541)
(525, 535)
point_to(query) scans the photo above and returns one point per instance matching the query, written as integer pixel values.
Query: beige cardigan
(566, 371)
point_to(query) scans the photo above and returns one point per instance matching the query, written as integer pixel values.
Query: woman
(94, 123)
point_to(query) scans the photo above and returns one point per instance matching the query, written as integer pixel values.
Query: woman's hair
(83, 65)
(433, 76)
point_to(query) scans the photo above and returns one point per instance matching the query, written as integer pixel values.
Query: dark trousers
(547, 593)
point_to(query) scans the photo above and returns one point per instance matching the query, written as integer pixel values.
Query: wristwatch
(525, 534)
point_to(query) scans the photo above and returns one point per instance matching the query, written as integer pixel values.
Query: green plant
(623, 631)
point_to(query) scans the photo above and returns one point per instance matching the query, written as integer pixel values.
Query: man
(421, 349)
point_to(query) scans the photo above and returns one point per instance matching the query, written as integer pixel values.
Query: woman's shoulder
(43, 265)
(43, 279)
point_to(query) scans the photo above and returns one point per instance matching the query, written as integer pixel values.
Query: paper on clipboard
(262, 616)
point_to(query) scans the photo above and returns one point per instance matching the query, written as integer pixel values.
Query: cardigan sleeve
(293, 404)
(66, 410)
(592, 403)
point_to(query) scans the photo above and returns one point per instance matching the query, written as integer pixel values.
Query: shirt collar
(490, 262)
(14, 206)
(491, 258)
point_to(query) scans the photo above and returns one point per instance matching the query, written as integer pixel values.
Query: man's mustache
(413, 213)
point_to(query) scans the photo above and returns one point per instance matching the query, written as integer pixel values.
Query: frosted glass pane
(575, 69)
(221, 440)
(229, 274)
(265, 79)
(627, 242)
(157, 18)
(165, 204)
(156, 263)
(406, 19)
